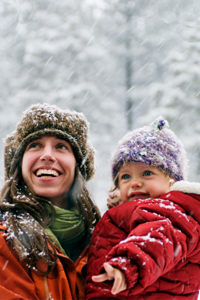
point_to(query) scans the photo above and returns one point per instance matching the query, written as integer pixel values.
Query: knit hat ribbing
(45, 119)
(154, 145)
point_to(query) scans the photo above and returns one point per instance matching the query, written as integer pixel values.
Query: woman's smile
(45, 172)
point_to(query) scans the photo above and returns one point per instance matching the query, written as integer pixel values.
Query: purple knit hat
(154, 145)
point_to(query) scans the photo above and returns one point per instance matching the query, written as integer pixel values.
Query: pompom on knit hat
(45, 119)
(155, 145)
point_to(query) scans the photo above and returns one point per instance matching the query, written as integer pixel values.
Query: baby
(148, 246)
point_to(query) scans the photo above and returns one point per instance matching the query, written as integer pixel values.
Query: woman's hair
(26, 216)
(79, 196)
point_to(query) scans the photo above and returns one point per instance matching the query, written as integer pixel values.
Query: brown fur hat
(45, 119)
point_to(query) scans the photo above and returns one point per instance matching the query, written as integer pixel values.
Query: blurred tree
(177, 97)
(137, 46)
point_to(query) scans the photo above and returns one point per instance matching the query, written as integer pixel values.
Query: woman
(47, 215)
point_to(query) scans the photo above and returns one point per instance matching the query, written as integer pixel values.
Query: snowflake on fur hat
(45, 119)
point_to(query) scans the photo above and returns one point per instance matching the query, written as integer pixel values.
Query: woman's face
(48, 168)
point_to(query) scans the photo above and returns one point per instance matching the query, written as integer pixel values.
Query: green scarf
(67, 229)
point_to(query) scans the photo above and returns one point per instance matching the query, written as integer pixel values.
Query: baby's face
(140, 181)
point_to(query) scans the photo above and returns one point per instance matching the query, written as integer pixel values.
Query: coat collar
(186, 187)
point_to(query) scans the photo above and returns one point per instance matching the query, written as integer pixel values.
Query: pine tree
(177, 97)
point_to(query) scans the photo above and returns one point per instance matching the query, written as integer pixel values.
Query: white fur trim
(186, 187)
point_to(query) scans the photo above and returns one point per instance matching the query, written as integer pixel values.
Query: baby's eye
(147, 173)
(125, 176)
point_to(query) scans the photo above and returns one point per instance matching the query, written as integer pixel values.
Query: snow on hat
(44, 119)
(154, 145)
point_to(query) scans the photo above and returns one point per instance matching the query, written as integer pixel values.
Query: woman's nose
(47, 154)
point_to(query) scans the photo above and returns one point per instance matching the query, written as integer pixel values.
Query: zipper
(46, 289)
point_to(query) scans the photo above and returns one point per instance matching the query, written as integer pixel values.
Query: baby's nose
(136, 183)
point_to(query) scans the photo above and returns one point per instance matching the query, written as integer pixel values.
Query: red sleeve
(15, 282)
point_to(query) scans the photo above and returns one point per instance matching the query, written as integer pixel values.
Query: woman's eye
(62, 146)
(147, 173)
(33, 145)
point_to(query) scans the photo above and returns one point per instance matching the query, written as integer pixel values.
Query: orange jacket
(65, 282)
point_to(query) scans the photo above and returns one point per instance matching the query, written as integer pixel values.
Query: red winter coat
(155, 242)
(65, 282)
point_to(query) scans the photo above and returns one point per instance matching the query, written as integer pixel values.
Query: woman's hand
(118, 276)
(114, 199)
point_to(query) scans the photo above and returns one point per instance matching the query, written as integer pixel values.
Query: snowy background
(122, 63)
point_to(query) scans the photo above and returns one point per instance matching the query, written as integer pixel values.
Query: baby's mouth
(45, 172)
(138, 196)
